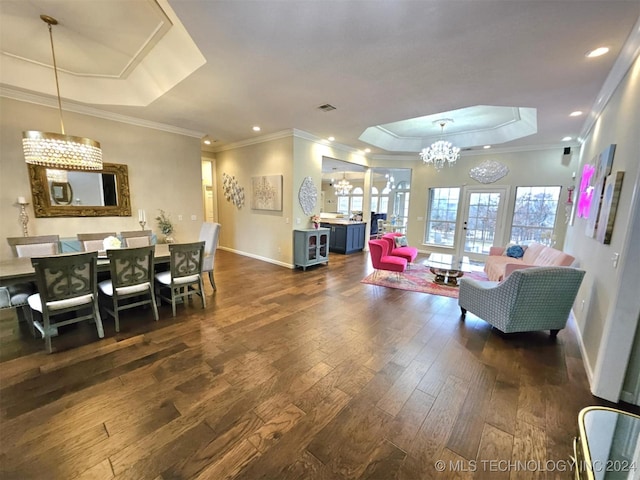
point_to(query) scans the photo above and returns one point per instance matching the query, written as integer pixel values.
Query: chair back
(66, 276)
(377, 250)
(136, 238)
(131, 266)
(93, 242)
(542, 292)
(186, 259)
(209, 233)
(36, 246)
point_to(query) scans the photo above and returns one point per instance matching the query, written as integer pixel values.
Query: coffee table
(447, 269)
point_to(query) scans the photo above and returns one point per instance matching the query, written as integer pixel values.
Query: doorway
(483, 215)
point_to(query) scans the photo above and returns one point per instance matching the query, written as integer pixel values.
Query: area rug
(417, 279)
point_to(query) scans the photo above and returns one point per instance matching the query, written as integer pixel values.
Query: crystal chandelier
(58, 150)
(440, 153)
(343, 187)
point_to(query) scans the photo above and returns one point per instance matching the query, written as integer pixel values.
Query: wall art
(233, 192)
(610, 198)
(603, 163)
(266, 192)
(488, 171)
(308, 196)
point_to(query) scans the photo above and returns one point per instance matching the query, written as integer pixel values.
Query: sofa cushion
(536, 255)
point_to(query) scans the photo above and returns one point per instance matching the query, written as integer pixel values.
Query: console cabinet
(346, 238)
(311, 246)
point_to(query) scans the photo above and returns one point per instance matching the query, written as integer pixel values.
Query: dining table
(20, 269)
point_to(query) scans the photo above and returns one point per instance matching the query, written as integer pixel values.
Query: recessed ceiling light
(566, 139)
(331, 139)
(256, 128)
(486, 147)
(207, 142)
(367, 150)
(577, 113)
(598, 52)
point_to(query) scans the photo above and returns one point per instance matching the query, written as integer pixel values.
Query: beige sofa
(499, 266)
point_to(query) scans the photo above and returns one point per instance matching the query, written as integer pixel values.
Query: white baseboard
(583, 350)
(258, 257)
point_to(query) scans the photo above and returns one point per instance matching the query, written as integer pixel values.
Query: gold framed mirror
(80, 193)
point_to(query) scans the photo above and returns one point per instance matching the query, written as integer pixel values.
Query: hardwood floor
(290, 375)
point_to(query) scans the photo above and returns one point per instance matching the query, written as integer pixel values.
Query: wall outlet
(179, 218)
(193, 217)
(297, 221)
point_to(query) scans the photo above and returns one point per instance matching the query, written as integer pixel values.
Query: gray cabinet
(310, 246)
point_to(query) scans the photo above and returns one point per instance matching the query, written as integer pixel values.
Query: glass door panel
(312, 249)
(483, 221)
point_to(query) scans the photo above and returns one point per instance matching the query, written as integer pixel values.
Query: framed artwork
(266, 192)
(603, 164)
(610, 199)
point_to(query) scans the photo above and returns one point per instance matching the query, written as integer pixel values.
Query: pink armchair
(381, 260)
(406, 252)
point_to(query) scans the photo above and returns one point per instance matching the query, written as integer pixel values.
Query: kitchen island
(346, 236)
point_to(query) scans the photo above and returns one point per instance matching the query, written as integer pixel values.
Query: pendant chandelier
(440, 153)
(58, 150)
(343, 187)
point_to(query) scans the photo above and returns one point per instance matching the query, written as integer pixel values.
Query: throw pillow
(515, 251)
(400, 241)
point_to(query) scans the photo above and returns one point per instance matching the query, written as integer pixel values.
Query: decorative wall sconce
(24, 218)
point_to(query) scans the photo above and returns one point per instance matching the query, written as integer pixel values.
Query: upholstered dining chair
(131, 282)
(136, 238)
(209, 233)
(185, 276)
(536, 298)
(40, 245)
(93, 242)
(15, 295)
(381, 260)
(66, 283)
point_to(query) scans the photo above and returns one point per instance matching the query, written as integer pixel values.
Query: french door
(482, 221)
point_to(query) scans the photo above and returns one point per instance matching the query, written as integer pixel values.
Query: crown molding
(628, 54)
(477, 153)
(67, 106)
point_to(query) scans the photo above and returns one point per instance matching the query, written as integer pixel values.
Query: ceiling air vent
(327, 107)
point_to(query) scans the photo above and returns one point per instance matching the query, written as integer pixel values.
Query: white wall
(164, 173)
(609, 319)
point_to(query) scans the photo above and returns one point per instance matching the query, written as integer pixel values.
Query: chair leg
(463, 314)
(153, 304)
(213, 283)
(204, 301)
(554, 333)
(28, 315)
(47, 331)
(173, 300)
(96, 311)
(116, 316)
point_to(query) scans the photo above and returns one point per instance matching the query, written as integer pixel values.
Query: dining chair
(209, 233)
(15, 294)
(185, 274)
(39, 245)
(66, 283)
(131, 281)
(136, 238)
(93, 242)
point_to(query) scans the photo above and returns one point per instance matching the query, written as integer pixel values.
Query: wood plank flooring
(289, 375)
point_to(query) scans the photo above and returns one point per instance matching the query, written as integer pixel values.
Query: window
(442, 216)
(375, 199)
(534, 215)
(352, 202)
(357, 196)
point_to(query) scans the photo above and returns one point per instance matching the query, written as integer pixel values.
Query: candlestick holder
(142, 224)
(24, 218)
